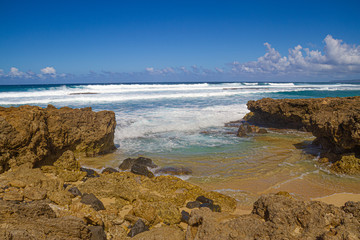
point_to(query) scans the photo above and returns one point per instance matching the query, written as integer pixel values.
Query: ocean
(183, 124)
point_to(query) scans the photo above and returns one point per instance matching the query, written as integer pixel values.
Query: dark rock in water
(262, 131)
(241, 131)
(212, 207)
(75, 191)
(141, 170)
(185, 216)
(97, 233)
(138, 227)
(89, 172)
(245, 128)
(109, 170)
(129, 162)
(353, 208)
(194, 204)
(90, 199)
(203, 199)
(174, 171)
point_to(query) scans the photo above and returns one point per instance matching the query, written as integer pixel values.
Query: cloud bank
(338, 57)
(337, 60)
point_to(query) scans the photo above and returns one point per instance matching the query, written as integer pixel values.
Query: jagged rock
(245, 128)
(335, 122)
(75, 191)
(161, 233)
(67, 161)
(129, 162)
(353, 208)
(97, 233)
(193, 204)
(35, 135)
(174, 171)
(141, 170)
(138, 227)
(35, 193)
(109, 170)
(241, 131)
(90, 199)
(276, 217)
(13, 194)
(36, 220)
(348, 164)
(17, 183)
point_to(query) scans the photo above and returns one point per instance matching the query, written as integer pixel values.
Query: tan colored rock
(35, 193)
(161, 233)
(348, 164)
(13, 194)
(67, 161)
(71, 176)
(276, 217)
(61, 197)
(17, 183)
(335, 122)
(36, 220)
(35, 135)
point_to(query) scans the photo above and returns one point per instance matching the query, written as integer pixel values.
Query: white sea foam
(153, 121)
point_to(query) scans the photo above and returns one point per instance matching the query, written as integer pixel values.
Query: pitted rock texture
(276, 217)
(30, 134)
(334, 121)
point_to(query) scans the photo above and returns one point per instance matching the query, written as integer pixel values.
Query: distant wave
(134, 92)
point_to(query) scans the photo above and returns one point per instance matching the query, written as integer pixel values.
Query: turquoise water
(182, 124)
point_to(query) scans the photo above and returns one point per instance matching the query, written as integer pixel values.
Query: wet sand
(283, 161)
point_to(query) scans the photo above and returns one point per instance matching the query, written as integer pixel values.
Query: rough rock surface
(276, 217)
(36, 220)
(37, 135)
(335, 122)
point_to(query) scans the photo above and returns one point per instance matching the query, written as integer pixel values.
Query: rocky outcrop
(35, 135)
(335, 122)
(36, 220)
(111, 202)
(277, 217)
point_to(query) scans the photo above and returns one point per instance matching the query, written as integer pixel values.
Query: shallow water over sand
(277, 161)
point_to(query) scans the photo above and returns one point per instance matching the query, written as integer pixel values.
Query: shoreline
(272, 193)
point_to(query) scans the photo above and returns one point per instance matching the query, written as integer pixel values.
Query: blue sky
(110, 41)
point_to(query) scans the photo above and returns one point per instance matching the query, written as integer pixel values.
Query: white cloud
(341, 53)
(48, 70)
(337, 57)
(219, 70)
(15, 72)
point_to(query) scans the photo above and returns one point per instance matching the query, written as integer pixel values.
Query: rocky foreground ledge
(335, 122)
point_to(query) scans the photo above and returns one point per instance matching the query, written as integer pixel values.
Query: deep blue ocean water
(183, 123)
